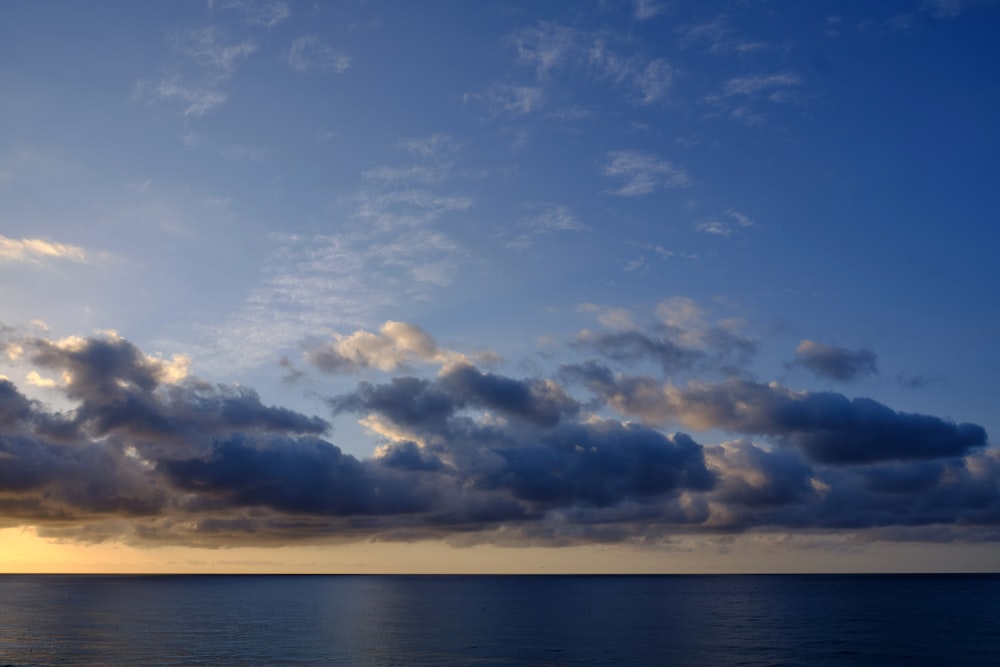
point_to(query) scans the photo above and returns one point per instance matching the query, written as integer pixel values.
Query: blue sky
(389, 270)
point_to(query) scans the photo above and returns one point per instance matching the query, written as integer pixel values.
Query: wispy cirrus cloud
(545, 218)
(434, 160)
(649, 79)
(508, 99)
(209, 48)
(740, 96)
(544, 46)
(643, 173)
(950, 8)
(390, 249)
(261, 12)
(643, 10)
(754, 85)
(310, 52)
(548, 47)
(208, 60)
(724, 226)
(37, 250)
(719, 37)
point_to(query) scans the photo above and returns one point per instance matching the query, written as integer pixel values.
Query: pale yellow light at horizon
(23, 551)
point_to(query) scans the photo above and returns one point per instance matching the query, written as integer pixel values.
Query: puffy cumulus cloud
(754, 477)
(393, 347)
(146, 452)
(835, 363)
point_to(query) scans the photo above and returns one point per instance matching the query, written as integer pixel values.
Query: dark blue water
(828, 620)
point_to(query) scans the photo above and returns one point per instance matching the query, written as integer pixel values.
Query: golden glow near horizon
(22, 551)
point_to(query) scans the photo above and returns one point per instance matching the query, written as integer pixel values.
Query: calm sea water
(828, 620)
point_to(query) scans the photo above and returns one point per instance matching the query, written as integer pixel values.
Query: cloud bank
(147, 453)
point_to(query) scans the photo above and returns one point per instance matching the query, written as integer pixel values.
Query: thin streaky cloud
(719, 37)
(552, 218)
(643, 173)
(207, 47)
(501, 98)
(741, 219)
(263, 13)
(310, 52)
(752, 85)
(198, 89)
(34, 250)
(714, 227)
(643, 10)
(544, 47)
(649, 79)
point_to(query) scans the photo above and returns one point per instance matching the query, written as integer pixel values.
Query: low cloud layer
(148, 453)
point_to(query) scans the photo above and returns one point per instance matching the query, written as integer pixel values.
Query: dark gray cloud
(835, 363)
(713, 348)
(149, 454)
(829, 427)
(301, 476)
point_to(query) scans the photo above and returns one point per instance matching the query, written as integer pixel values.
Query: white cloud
(643, 173)
(396, 209)
(501, 98)
(719, 37)
(199, 88)
(206, 47)
(645, 9)
(949, 8)
(741, 219)
(543, 47)
(653, 80)
(613, 318)
(309, 52)
(389, 251)
(267, 14)
(649, 78)
(396, 345)
(724, 227)
(33, 250)
(36, 380)
(682, 313)
(752, 85)
(548, 47)
(552, 218)
(545, 218)
(716, 227)
(196, 99)
(433, 164)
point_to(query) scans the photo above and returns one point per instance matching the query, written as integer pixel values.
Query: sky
(648, 286)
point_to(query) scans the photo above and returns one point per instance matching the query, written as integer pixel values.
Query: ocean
(828, 620)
